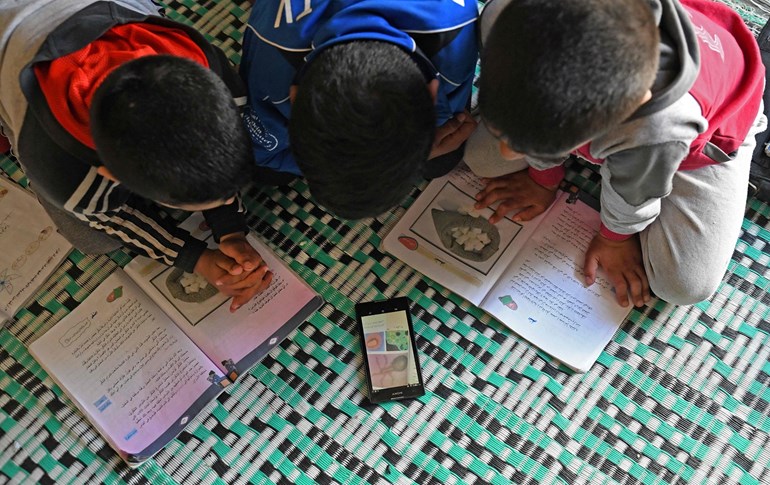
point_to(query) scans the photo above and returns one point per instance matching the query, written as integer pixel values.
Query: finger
(228, 264)
(253, 278)
(506, 207)
(621, 290)
(646, 295)
(590, 266)
(527, 214)
(243, 253)
(244, 296)
(635, 288)
(510, 197)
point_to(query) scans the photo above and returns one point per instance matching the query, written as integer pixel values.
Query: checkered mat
(680, 395)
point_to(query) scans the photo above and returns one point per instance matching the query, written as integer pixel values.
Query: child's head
(168, 129)
(558, 73)
(361, 127)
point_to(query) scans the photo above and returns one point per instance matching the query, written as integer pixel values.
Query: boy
(364, 76)
(666, 96)
(113, 111)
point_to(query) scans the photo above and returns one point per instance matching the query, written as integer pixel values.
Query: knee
(684, 290)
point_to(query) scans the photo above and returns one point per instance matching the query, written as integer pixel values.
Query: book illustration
(509, 302)
(193, 296)
(449, 218)
(189, 287)
(232, 370)
(219, 380)
(6, 278)
(115, 294)
(411, 244)
(469, 237)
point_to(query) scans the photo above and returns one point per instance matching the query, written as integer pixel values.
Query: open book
(528, 275)
(30, 247)
(152, 346)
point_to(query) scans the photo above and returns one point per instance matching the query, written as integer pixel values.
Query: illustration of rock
(469, 237)
(189, 287)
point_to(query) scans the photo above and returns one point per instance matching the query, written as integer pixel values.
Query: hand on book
(452, 134)
(236, 269)
(515, 192)
(622, 262)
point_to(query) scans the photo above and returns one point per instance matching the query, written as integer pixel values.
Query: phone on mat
(390, 355)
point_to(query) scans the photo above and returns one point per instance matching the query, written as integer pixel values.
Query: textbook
(30, 247)
(152, 346)
(529, 275)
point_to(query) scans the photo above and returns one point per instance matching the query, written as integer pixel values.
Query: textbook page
(429, 237)
(234, 341)
(128, 368)
(30, 247)
(542, 295)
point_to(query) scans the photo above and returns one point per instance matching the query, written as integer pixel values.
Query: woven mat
(680, 395)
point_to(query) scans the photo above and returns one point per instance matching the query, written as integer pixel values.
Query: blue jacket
(282, 36)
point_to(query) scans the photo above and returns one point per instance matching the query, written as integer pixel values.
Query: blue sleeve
(267, 115)
(456, 64)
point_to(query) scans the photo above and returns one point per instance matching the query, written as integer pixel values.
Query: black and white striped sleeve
(107, 206)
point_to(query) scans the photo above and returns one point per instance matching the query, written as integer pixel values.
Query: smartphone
(390, 355)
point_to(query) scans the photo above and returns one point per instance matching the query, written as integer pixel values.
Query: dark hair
(557, 73)
(169, 130)
(361, 127)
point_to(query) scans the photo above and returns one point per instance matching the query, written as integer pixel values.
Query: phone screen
(391, 359)
(389, 350)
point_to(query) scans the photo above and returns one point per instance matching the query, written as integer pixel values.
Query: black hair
(558, 73)
(168, 129)
(361, 127)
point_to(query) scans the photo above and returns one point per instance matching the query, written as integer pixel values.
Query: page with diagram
(128, 368)
(447, 240)
(527, 275)
(234, 341)
(30, 247)
(542, 295)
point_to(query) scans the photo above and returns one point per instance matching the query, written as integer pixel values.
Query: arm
(630, 201)
(108, 207)
(527, 192)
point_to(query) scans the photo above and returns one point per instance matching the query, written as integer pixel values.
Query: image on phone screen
(389, 351)
(391, 360)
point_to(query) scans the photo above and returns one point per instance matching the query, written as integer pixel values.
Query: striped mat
(679, 396)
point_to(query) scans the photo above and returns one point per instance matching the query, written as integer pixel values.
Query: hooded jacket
(440, 36)
(704, 100)
(62, 169)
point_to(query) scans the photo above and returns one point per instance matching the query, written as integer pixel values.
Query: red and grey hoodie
(704, 100)
(54, 55)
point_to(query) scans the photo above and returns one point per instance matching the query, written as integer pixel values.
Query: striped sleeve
(108, 207)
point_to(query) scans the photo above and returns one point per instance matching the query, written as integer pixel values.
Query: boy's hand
(254, 276)
(516, 191)
(229, 277)
(238, 247)
(452, 134)
(622, 262)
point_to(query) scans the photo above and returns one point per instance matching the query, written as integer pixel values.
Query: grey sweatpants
(686, 250)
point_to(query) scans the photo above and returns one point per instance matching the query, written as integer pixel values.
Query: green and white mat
(681, 395)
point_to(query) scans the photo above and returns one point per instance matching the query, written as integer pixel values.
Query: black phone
(390, 355)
